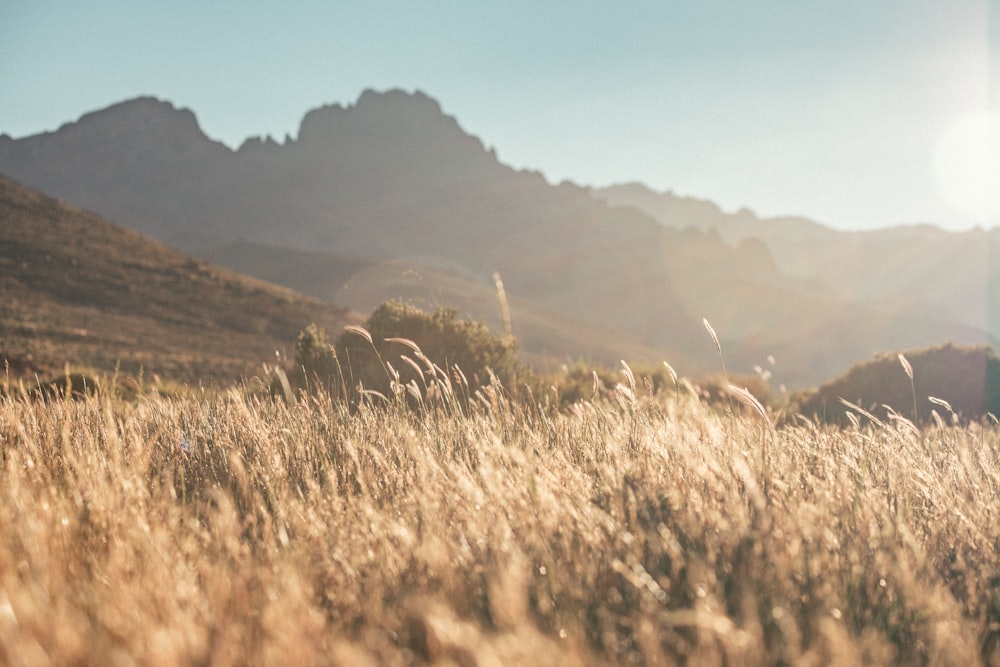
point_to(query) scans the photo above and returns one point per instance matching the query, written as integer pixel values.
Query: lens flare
(967, 166)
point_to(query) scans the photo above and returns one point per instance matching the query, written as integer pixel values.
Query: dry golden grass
(231, 531)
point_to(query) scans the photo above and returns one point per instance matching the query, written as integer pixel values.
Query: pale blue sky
(833, 110)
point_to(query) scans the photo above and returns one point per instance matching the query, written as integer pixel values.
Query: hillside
(967, 379)
(80, 290)
(546, 339)
(392, 181)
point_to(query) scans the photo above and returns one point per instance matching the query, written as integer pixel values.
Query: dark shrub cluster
(402, 344)
(411, 344)
(315, 360)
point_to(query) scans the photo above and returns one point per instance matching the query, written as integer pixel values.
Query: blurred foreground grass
(239, 530)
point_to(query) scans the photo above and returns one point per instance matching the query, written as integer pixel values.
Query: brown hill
(948, 379)
(79, 290)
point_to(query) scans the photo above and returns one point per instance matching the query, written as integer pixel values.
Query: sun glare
(967, 166)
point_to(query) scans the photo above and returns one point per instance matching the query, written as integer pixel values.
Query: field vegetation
(646, 527)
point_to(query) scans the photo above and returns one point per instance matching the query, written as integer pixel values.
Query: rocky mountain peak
(144, 125)
(394, 118)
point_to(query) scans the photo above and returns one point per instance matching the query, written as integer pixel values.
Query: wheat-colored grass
(234, 530)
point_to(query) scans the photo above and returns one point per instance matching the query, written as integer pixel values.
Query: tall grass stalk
(908, 369)
(508, 329)
(718, 346)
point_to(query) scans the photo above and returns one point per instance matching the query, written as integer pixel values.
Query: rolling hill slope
(80, 290)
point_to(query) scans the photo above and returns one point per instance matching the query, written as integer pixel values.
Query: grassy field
(230, 530)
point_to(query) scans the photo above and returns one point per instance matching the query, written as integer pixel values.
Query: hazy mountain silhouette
(393, 179)
(956, 274)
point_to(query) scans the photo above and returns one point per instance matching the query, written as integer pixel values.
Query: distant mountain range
(390, 197)
(957, 274)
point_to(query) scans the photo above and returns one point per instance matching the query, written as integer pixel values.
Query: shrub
(75, 385)
(445, 343)
(315, 360)
(576, 381)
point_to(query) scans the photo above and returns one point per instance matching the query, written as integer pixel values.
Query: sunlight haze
(849, 113)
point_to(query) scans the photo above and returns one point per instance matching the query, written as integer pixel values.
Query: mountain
(391, 186)
(79, 290)
(955, 274)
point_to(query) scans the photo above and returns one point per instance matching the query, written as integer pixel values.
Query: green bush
(315, 361)
(463, 351)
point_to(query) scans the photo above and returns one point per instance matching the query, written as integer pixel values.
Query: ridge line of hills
(390, 197)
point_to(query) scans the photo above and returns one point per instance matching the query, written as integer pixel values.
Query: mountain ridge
(954, 272)
(394, 178)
